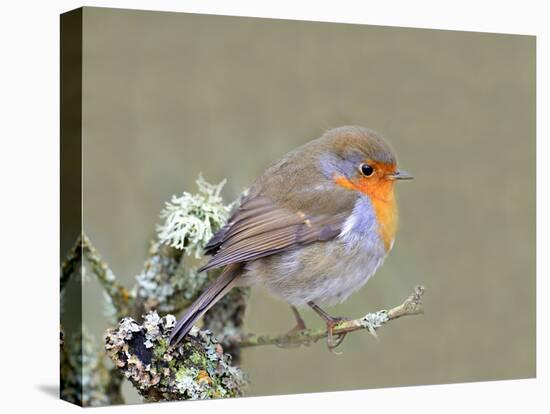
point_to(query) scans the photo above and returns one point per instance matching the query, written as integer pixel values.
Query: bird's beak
(400, 175)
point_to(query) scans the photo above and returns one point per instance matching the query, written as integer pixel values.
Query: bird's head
(358, 159)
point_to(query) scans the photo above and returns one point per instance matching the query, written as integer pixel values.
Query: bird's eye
(366, 170)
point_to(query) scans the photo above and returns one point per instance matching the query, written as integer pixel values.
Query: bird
(313, 228)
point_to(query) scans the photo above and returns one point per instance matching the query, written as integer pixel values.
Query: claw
(332, 341)
(331, 322)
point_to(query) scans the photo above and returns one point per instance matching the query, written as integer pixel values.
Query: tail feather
(204, 302)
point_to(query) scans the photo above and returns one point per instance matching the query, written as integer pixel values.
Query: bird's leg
(300, 324)
(331, 322)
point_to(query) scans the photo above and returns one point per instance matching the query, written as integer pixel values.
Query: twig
(118, 293)
(71, 262)
(371, 321)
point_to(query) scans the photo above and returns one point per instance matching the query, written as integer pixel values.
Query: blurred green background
(169, 95)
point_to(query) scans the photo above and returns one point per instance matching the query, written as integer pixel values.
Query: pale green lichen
(167, 282)
(191, 220)
(198, 369)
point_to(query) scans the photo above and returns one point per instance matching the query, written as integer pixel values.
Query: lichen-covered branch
(198, 369)
(71, 263)
(203, 366)
(166, 282)
(371, 322)
(83, 374)
(119, 294)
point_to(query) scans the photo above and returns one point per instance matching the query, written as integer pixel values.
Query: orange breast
(386, 214)
(382, 197)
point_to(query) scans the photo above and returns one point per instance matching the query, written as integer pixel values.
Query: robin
(313, 228)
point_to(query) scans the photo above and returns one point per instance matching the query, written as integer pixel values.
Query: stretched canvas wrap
(278, 155)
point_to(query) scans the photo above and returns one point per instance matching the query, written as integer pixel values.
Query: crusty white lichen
(166, 283)
(154, 285)
(374, 320)
(191, 220)
(198, 369)
(109, 308)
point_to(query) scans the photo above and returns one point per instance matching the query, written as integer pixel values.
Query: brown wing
(260, 228)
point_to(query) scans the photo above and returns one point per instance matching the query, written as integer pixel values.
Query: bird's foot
(299, 327)
(334, 342)
(332, 322)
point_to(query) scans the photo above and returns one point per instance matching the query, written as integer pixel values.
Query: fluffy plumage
(312, 228)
